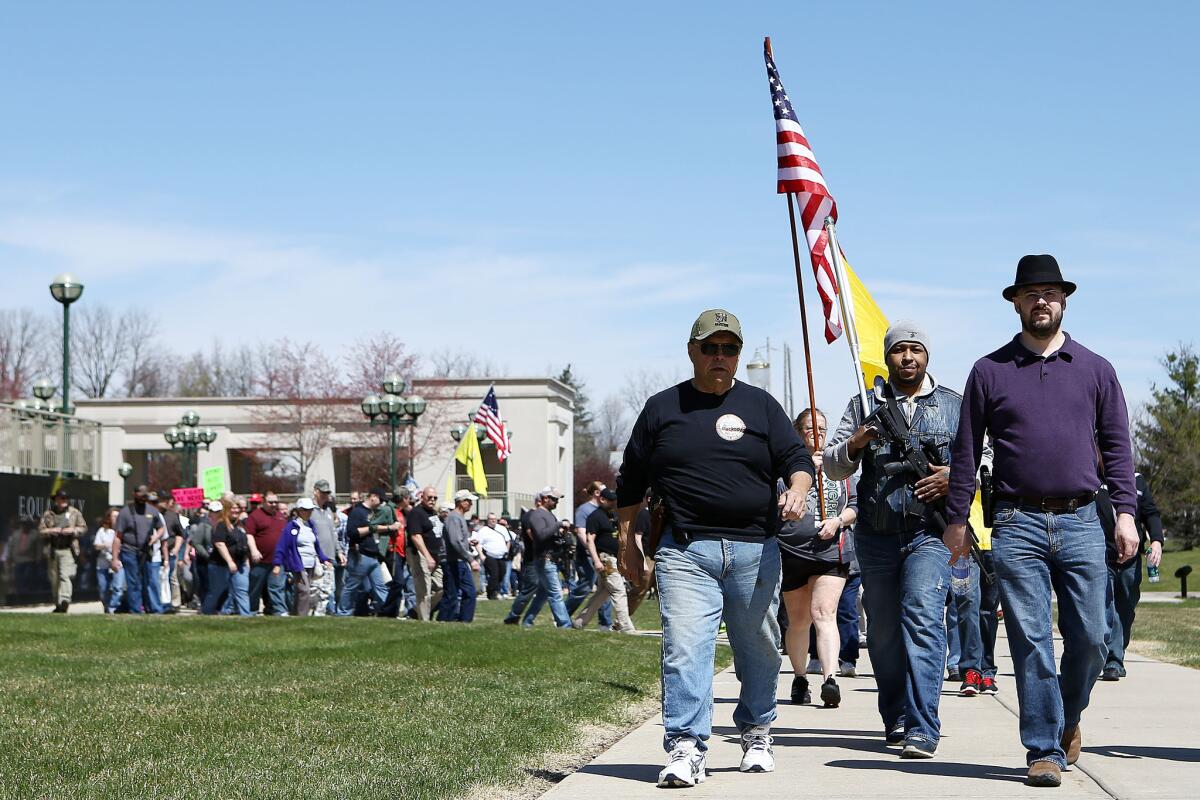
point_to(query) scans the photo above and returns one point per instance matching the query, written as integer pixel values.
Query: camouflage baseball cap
(715, 320)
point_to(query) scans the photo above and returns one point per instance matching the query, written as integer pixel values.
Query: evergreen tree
(589, 463)
(1168, 441)
(585, 440)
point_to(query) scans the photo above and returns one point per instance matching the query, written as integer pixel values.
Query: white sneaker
(685, 765)
(757, 755)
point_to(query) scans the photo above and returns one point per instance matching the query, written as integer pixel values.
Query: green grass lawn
(1171, 561)
(191, 707)
(1169, 632)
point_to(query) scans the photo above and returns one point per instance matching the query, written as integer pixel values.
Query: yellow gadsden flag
(871, 325)
(469, 456)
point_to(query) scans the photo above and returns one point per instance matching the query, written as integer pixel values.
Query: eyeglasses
(1049, 295)
(727, 350)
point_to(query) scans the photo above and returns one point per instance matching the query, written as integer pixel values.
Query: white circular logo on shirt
(730, 427)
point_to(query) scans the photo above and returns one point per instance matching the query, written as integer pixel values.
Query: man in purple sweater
(1048, 404)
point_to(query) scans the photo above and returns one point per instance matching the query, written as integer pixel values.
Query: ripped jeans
(905, 579)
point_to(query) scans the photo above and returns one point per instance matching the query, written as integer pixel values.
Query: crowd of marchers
(386, 554)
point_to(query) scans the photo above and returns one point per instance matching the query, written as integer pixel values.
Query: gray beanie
(904, 330)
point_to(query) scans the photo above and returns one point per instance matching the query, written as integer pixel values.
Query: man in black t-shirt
(424, 553)
(602, 549)
(713, 449)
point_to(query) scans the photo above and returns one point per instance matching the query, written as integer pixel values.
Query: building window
(157, 469)
(265, 471)
(359, 468)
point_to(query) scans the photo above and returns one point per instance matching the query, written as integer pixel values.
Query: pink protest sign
(188, 498)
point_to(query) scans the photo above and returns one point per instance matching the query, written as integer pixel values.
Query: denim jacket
(884, 500)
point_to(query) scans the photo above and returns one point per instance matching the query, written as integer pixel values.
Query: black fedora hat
(1038, 269)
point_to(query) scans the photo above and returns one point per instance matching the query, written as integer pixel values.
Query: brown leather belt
(1053, 505)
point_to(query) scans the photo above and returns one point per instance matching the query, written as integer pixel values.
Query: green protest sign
(214, 483)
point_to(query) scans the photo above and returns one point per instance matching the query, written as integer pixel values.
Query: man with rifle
(898, 538)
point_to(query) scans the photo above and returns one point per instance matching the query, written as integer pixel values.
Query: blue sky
(545, 183)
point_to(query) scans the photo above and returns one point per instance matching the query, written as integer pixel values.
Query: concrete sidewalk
(1141, 739)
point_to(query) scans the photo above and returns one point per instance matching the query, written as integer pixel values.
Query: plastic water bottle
(1152, 574)
(960, 576)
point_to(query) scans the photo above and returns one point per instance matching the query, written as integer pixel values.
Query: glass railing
(35, 442)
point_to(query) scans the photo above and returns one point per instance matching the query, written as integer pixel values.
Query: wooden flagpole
(812, 392)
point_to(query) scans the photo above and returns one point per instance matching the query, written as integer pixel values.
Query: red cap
(256, 498)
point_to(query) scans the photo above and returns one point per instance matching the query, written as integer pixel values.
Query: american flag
(800, 176)
(488, 416)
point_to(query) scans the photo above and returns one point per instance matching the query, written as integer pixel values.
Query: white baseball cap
(305, 503)
(215, 505)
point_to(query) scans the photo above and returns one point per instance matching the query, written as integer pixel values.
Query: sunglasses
(727, 350)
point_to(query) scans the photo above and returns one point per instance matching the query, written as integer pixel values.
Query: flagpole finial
(767, 45)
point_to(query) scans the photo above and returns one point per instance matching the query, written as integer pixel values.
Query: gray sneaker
(685, 765)
(757, 754)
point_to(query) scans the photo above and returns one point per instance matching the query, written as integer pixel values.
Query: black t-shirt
(418, 520)
(641, 523)
(714, 459)
(364, 543)
(235, 540)
(603, 525)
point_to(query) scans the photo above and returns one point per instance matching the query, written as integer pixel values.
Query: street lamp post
(188, 437)
(394, 410)
(66, 290)
(125, 470)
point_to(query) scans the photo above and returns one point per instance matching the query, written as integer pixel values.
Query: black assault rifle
(915, 463)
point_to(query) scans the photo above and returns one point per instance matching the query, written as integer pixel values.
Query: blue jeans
(540, 581)
(989, 604)
(339, 581)
(131, 567)
(362, 575)
(1125, 586)
(458, 592)
(847, 618)
(238, 601)
(698, 583)
(506, 581)
(106, 586)
(150, 586)
(584, 585)
(261, 575)
(963, 639)
(1036, 552)
(218, 587)
(905, 580)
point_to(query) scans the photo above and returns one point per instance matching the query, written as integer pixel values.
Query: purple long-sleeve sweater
(1046, 417)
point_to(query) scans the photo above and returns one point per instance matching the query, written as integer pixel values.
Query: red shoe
(972, 684)
(989, 686)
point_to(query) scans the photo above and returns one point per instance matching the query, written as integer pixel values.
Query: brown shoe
(1044, 773)
(1071, 742)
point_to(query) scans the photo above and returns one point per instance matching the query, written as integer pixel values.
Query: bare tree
(373, 357)
(23, 338)
(611, 425)
(641, 385)
(148, 372)
(313, 401)
(448, 363)
(98, 345)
